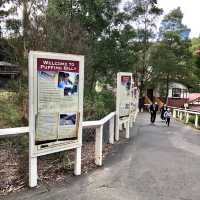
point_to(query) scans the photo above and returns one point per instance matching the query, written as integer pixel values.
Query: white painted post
(181, 116)
(98, 145)
(32, 157)
(117, 128)
(178, 113)
(121, 126)
(127, 130)
(111, 131)
(131, 120)
(135, 115)
(174, 113)
(77, 162)
(196, 121)
(187, 118)
(32, 171)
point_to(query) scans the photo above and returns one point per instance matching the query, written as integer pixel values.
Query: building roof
(7, 64)
(193, 96)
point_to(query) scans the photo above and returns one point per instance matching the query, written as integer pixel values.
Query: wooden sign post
(55, 107)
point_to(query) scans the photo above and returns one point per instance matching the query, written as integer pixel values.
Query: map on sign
(57, 99)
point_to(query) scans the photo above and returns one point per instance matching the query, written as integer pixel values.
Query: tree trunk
(167, 89)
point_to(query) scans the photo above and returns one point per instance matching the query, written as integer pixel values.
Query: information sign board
(124, 81)
(123, 100)
(56, 99)
(55, 107)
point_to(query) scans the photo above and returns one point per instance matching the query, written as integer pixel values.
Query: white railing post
(127, 129)
(98, 145)
(117, 126)
(77, 163)
(181, 116)
(174, 113)
(111, 130)
(33, 175)
(33, 171)
(196, 121)
(187, 118)
(131, 120)
(178, 113)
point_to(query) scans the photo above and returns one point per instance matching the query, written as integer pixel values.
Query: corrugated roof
(193, 96)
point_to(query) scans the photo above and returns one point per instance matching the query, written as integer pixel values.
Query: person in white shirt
(167, 116)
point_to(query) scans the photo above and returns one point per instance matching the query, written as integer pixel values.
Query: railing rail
(98, 125)
(180, 113)
(13, 131)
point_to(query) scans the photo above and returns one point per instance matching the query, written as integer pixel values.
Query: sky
(190, 9)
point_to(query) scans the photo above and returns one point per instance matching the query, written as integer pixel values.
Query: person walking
(153, 110)
(167, 116)
(162, 111)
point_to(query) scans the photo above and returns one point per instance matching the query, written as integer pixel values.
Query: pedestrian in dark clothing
(162, 111)
(168, 115)
(153, 110)
(141, 104)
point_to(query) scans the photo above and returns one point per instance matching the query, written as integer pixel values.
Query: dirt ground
(51, 169)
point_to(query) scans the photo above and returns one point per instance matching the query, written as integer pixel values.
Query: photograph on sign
(68, 81)
(125, 95)
(58, 100)
(68, 119)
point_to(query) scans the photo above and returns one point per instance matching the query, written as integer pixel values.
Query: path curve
(157, 163)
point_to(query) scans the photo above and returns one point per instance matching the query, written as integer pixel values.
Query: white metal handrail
(13, 131)
(98, 125)
(178, 113)
(86, 124)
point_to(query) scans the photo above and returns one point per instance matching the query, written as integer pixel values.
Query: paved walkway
(158, 163)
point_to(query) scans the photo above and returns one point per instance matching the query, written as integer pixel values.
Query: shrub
(192, 119)
(97, 105)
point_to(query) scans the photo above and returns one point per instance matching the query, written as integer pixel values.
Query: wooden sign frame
(119, 119)
(67, 61)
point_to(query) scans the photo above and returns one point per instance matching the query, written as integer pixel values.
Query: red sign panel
(45, 64)
(125, 78)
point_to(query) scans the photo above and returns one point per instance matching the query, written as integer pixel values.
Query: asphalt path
(156, 163)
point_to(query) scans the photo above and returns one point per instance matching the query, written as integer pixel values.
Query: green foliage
(143, 14)
(112, 40)
(192, 119)
(98, 105)
(172, 23)
(171, 58)
(10, 111)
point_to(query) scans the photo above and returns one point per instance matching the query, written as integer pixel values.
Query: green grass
(10, 110)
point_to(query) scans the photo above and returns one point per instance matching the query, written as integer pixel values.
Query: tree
(171, 58)
(96, 29)
(143, 14)
(172, 23)
(195, 50)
